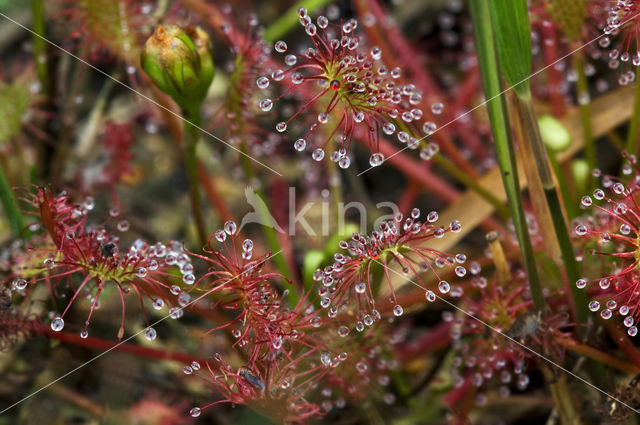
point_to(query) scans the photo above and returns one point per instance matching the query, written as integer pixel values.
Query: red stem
(124, 347)
(550, 54)
(212, 194)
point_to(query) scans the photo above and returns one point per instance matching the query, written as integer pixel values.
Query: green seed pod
(180, 63)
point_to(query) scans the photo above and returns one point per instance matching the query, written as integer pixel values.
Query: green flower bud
(180, 63)
(554, 134)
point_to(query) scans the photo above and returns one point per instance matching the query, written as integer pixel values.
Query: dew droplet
(299, 145)
(397, 310)
(150, 334)
(318, 154)
(280, 46)
(265, 105)
(262, 82)
(376, 159)
(430, 295)
(461, 271)
(195, 412)
(19, 284)
(443, 286)
(57, 324)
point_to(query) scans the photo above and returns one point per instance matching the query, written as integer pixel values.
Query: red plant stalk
(621, 339)
(124, 347)
(212, 194)
(408, 198)
(555, 77)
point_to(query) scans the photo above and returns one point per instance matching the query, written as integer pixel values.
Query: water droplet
(277, 343)
(141, 272)
(262, 82)
(443, 286)
(344, 162)
(187, 370)
(632, 331)
(84, 334)
(265, 105)
(360, 287)
(388, 128)
(195, 412)
(376, 159)
(323, 117)
(123, 225)
(150, 334)
(299, 145)
(280, 46)
(19, 284)
(429, 128)
(158, 304)
(57, 324)
(311, 29)
(581, 283)
(343, 331)
(581, 230)
(431, 296)
(397, 310)
(594, 305)
(277, 75)
(323, 21)
(318, 154)
(281, 126)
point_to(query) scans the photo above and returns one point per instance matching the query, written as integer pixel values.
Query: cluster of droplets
(614, 228)
(344, 282)
(363, 92)
(622, 20)
(483, 361)
(142, 261)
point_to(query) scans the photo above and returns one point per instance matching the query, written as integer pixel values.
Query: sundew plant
(315, 211)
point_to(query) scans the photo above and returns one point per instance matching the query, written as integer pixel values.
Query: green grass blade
(10, 205)
(498, 116)
(513, 41)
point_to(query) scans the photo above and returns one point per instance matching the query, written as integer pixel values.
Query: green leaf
(10, 205)
(312, 261)
(513, 42)
(554, 134)
(498, 115)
